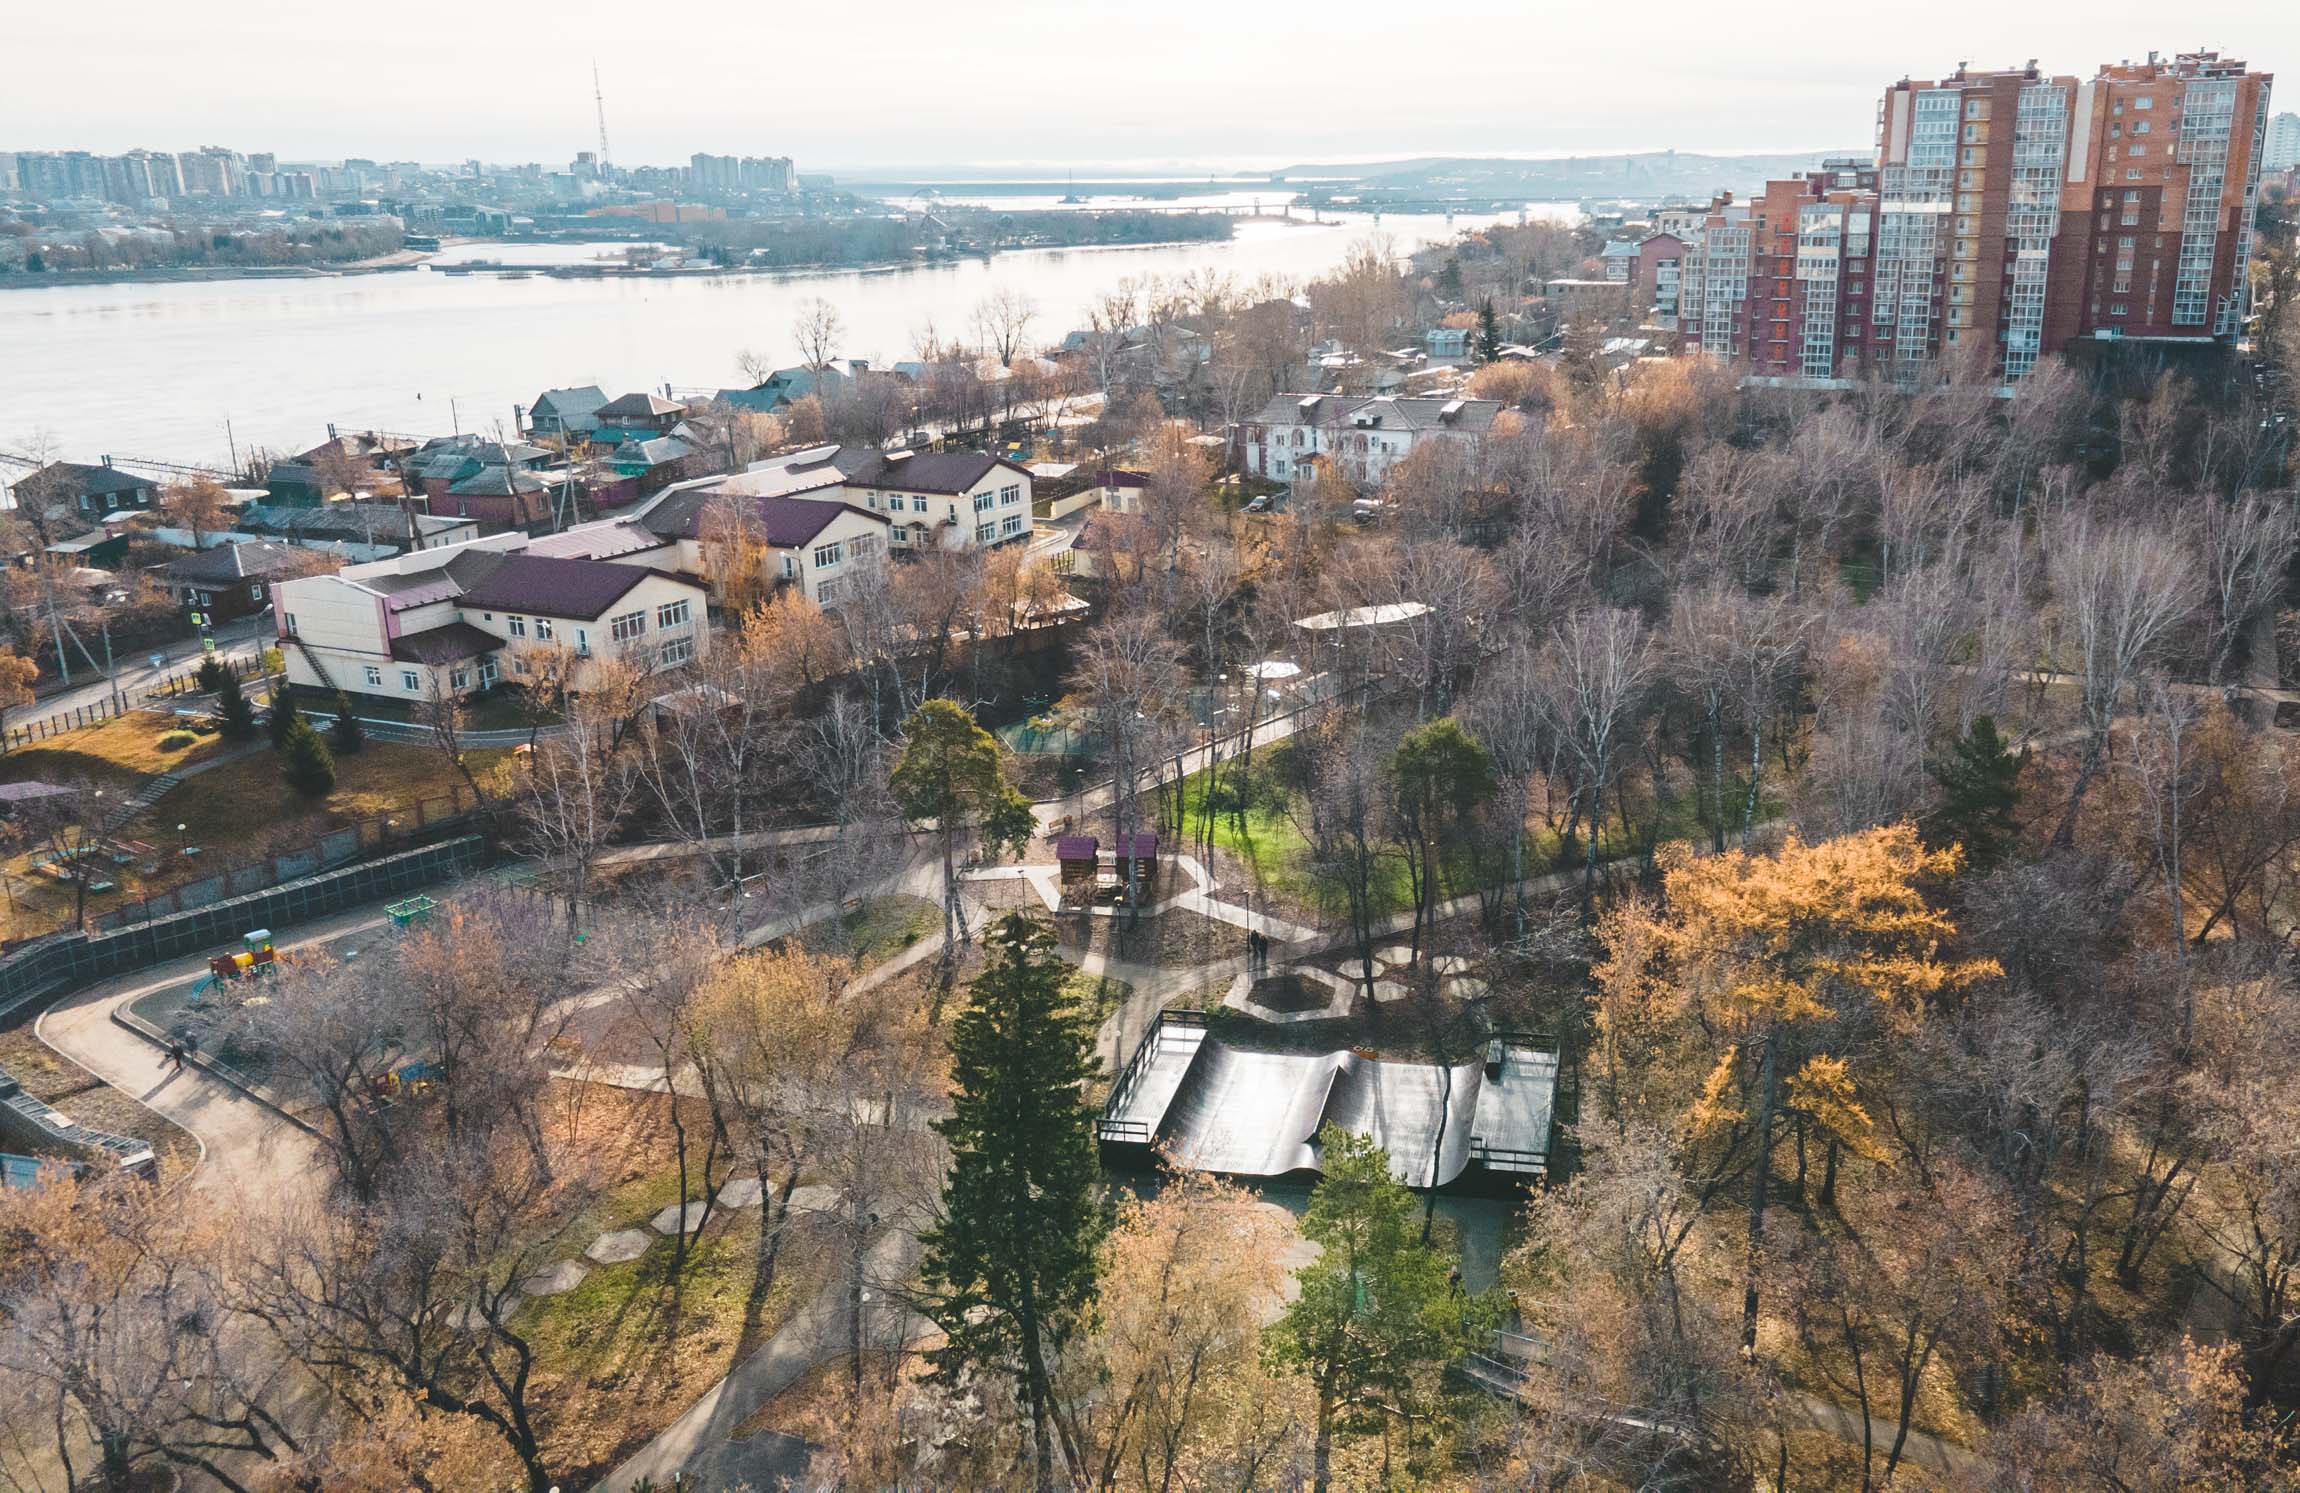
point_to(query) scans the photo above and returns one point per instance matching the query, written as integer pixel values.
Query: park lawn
(120, 752)
(244, 803)
(883, 927)
(625, 1353)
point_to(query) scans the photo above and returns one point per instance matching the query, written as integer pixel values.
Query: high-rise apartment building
(2282, 152)
(2008, 214)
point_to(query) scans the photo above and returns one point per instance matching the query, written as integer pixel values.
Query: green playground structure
(411, 912)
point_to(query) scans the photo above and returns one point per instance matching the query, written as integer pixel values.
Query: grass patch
(246, 804)
(884, 927)
(123, 751)
(1097, 995)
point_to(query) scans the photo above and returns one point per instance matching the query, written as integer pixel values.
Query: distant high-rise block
(2008, 214)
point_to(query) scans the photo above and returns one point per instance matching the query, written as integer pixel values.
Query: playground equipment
(408, 914)
(413, 1080)
(255, 959)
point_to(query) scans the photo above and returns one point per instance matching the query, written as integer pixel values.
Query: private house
(566, 414)
(86, 492)
(949, 500)
(235, 580)
(649, 465)
(388, 525)
(459, 620)
(1119, 490)
(315, 476)
(1446, 344)
(953, 500)
(812, 538)
(497, 485)
(787, 386)
(1365, 437)
(636, 417)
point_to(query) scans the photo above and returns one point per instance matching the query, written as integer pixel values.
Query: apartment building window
(291, 624)
(2144, 103)
(518, 626)
(2135, 152)
(374, 677)
(673, 614)
(488, 673)
(628, 626)
(1011, 526)
(983, 501)
(459, 680)
(918, 505)
(582, 642)
(410, 680)
(827, 555)
(1009, 496)
(2115, 310)
(984, 533)
(677, 651)
(543, 629)
(790, 567)
(2140, 127)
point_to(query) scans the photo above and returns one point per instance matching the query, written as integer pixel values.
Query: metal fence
(126, 702)
(423, 820)
(69, 960)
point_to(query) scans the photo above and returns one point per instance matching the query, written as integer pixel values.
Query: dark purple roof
(930, 471)
(1145, 846)
(558, 588)
(240, 562)
(784, 522)
(444, 645)
(1077, 848)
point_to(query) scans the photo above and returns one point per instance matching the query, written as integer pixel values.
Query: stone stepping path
(814, 1199)
(743, 1192)
(1452, 964)
(555, 1279)
(1395, 954)
(678, 1218)
(615, 1247)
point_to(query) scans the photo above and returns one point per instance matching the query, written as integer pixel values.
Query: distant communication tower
(600, 99)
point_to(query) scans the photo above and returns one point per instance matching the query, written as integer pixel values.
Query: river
(156, 370)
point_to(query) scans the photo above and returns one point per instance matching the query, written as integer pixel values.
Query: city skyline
(1212, 91)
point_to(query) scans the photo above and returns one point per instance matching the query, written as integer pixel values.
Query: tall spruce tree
(306, 763)
(346, 735)
(1980, 788)
(1011, 1270)
(233, 709)
(285, 717)
(1488, 332)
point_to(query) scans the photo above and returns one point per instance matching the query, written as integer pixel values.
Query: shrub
(211, 675)
(306, 762)
(176, 741)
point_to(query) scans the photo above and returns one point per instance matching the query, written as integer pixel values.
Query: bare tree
(2121, 591)
(816, 330)
(1596, 675)
(1002, 320)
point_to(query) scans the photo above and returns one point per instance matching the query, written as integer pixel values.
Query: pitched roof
(570, 404)
(238, 562)
(1341, 411)
(369, 523)
(444, 645)
(609, 541)
(639, 406)
(498, 482)
(655, 452)
(554, 587)
(77, 477)
(785, 521)
(465, 566)
(930, 471)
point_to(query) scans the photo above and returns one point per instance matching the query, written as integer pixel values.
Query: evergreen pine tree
(1011, 1269)
(346, 735)
(285, 717)
(233, 709)
(1980, 787)
(1488, 332)
(306, 762)
(211, 674)
(1377, 1312)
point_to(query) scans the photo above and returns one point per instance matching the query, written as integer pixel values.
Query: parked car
(1259, 505)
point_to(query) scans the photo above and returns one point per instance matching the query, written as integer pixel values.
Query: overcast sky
(885, 85)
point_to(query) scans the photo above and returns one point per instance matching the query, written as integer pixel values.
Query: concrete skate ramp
(1258, 1114)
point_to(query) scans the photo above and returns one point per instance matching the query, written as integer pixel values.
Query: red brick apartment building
(2008, 208)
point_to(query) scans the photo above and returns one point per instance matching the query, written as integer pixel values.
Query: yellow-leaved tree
(1772, 969)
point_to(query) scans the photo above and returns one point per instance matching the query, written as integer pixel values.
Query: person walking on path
(176, 1054)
